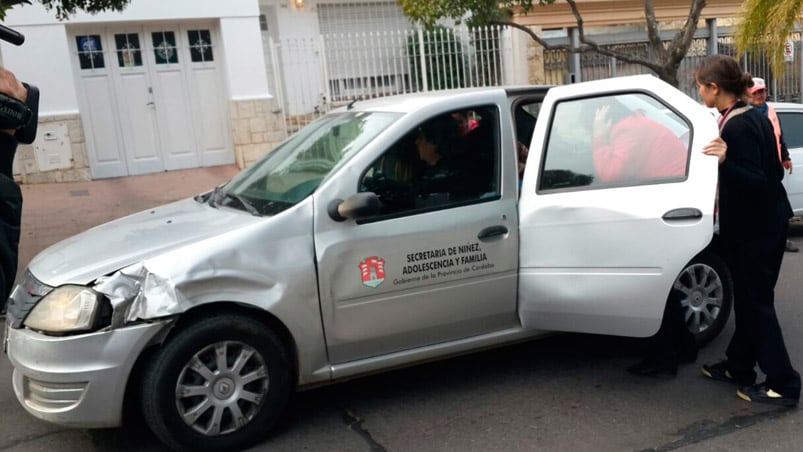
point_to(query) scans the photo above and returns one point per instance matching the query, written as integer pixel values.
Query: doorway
(151, 99)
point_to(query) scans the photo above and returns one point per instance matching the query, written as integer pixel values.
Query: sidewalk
(53, 212)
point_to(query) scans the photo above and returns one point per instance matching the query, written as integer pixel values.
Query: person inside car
(628, 146)
(445, 175)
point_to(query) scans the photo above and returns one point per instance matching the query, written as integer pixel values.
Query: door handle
(150, 104)
(491, 232)
(684, 213)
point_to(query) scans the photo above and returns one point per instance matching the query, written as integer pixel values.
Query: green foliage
(766, 25)
(66, 8)
(474, 12)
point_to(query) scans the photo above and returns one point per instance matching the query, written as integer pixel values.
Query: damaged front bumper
(77, 381)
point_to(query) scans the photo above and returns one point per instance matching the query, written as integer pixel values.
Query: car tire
(706, 296)
(219, 383)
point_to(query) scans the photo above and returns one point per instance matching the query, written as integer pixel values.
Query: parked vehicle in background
(791, 117)
(376, 237)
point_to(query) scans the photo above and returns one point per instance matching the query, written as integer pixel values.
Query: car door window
(448, 160)
(613, 141)
(792, 126)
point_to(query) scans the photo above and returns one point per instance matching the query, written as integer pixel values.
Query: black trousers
(757, 339)
(673, 342)
(10, 215)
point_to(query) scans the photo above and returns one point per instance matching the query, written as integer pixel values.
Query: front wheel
(218, 384)
(706, 296)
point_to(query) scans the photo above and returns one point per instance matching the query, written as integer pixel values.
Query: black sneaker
(720, 372)
(760, 393)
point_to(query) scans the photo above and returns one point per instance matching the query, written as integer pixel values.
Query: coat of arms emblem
(372, 271)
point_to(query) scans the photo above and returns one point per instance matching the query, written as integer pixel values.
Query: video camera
(15, 115)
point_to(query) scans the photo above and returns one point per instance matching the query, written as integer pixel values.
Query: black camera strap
(22, 117)
(27, 133)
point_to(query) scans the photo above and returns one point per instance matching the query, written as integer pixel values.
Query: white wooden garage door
(151, 99)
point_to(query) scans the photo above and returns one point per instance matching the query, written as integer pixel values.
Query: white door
(135, 104)
(151, 99)
(172, 95)
(97, 96)
(207, 99)
(610, 215)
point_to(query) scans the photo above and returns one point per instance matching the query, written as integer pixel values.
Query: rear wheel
(707, 296)
(218, 384)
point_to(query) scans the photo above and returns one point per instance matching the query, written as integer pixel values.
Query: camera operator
(10, 194)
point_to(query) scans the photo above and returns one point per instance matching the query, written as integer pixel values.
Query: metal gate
(311, 75)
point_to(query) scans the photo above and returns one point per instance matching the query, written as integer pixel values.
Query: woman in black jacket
(753, 218)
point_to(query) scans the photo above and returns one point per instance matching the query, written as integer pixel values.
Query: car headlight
(65, 309)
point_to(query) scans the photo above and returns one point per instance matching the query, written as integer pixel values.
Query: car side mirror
(356, 207)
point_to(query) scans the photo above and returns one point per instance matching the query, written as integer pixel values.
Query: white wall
(139, 10)
(245, 59)
(45, 59)
(516, 61)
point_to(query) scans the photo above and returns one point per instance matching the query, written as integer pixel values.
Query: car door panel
(418, 278)
(792, 127)
(602, 258)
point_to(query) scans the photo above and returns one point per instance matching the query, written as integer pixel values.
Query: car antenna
(351, 104)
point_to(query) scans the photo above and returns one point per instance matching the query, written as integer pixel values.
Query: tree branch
(682, 41)
(593, 46)
(653, 34)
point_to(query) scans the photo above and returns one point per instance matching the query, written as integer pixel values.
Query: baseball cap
(758, 85)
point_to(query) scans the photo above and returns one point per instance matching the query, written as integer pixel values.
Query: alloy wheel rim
(703, 296)
(221, 388)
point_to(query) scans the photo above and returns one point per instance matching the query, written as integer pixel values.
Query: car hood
(125, 241)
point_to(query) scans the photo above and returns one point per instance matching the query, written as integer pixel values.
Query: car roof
(405, 103)
(787, 106)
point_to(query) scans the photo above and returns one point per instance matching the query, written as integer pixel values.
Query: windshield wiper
(213, 196)
(203, 197)
(248, 206)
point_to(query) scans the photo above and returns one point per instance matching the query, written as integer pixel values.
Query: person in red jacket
(629, 147)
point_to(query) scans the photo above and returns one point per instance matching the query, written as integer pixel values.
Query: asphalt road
(568, 392)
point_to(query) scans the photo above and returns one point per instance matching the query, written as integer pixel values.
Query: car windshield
(294, 170)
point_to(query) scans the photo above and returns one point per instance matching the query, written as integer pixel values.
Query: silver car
(791, 117)
(386, 233)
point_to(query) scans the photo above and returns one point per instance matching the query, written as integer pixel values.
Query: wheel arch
(183, 321)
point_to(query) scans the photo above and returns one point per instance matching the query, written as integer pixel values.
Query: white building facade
(169, 85)
(160, 86)
(321, 54)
